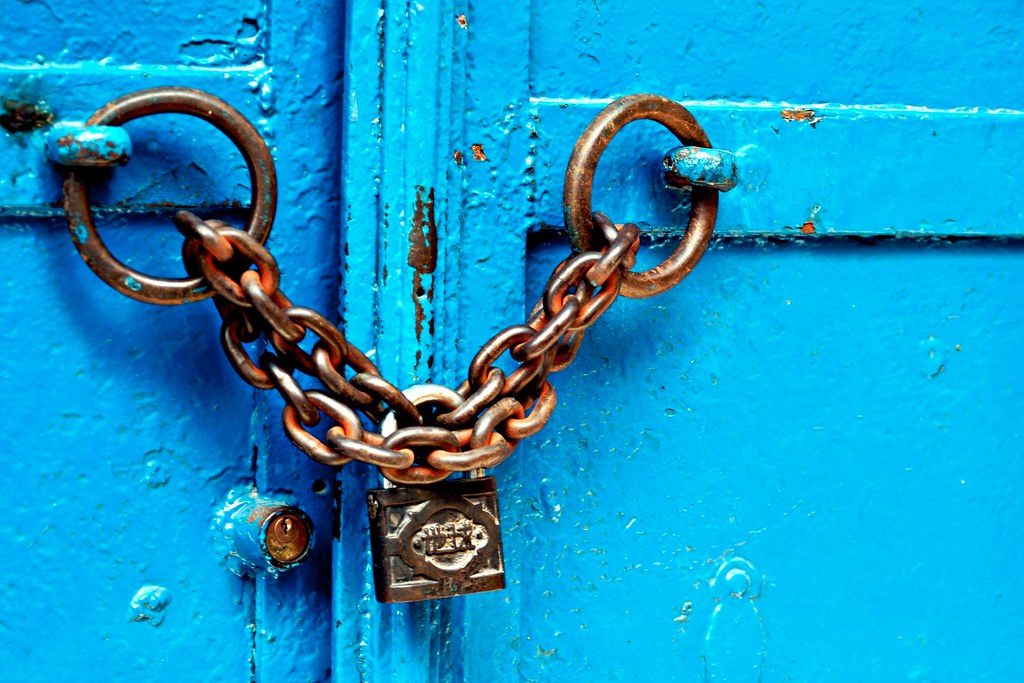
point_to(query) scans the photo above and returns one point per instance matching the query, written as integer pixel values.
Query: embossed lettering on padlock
(436, 541)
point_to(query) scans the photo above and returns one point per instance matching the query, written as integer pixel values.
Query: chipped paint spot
(132, 284)
(24, 117)
(478, 152)
(458, 156)
(156, 475)
(806, 115)
(149, 604)
(247, 46)
(810, 226)
(684, 613)
(81, 233)
(797, 114)
(462, 21)
(935, 357)
(422, 253)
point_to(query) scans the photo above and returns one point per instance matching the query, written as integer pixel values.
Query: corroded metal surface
(436, 542)
(464, 429)
(263, 535)
(891, 360)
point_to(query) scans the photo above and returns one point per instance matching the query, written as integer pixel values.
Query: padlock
(436, 541)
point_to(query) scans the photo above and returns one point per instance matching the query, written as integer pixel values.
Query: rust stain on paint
(805, 115)
(422, 254)
(24, 117)
(797, 114)
(478, 152)
(807, 228)
(459, 158)
(462, 21)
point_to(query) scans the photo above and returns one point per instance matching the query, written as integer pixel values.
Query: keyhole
(285, 529)
(287, 537)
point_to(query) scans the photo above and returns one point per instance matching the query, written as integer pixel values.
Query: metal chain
(476, 426)
(426, 432)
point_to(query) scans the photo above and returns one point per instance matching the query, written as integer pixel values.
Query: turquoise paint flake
(81, 233)
(149, 604)
(132, 284)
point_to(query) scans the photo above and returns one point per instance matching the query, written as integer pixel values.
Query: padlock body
(436, 541)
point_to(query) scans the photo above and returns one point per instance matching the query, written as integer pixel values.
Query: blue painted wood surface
(802, 464)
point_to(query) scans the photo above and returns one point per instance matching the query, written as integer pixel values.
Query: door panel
(125, 429)
(844, 170)
(954, 54)
(797, 465)
(767, 473)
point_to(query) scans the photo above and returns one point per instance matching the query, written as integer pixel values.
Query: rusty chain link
(429, 431)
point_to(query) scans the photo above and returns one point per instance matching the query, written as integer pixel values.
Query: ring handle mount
(169, 100)
(579, 186)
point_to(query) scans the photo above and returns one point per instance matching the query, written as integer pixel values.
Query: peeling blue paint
(132, 283)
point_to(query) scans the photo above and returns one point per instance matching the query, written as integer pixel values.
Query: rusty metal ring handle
(171, 100)
(579, 186)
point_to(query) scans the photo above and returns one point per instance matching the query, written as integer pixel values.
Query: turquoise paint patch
(81, 234)
(132, 284)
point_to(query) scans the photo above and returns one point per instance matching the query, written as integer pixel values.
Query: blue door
(801, 464)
